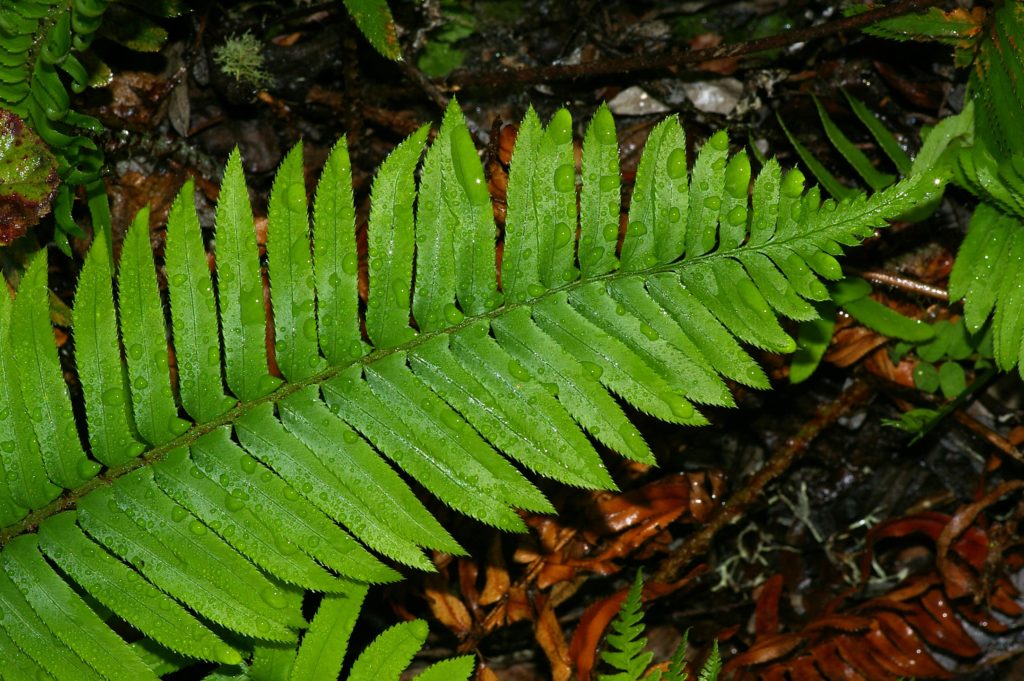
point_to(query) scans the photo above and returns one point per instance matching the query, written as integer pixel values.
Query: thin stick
(560, 72)
(697, 544)
(906, 284)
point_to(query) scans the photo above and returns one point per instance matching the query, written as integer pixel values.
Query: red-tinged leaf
(446, 606)
(590, 630)
(981, 618)
(903, 636)
(496, 578)
(28, 177)
(971, 547)
(948, 633)
(485, 673)
(865, 658)
(553, 573)
(847, 623)
(1004, 597)
(828, 660)
(549, 635)
(468, 572)
(669, 495)
(914, 589)
(898, 661)
(766, 614)
(803, 668)
(517, 606)
(769, 649)
(775, 674)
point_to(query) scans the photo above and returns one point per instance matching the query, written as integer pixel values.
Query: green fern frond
(626, 642)
(226, 494)
(626, 647)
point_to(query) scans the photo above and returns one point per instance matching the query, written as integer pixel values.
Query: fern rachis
(237, 510)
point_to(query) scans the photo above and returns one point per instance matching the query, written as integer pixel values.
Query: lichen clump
(241, 57)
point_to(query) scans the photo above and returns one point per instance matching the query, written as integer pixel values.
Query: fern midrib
(69, 499)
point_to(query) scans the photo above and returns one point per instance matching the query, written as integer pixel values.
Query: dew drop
(620, 309)
(565, 178)
(233, 503)
(178, 279)
(517, 371)
(648, 331)
(309, 329)
(536, 290)
(674, 214)
(593, 369)
(719, 141)
(468, 170)
(737, 176)
(87, 468)
(197, 528)
(247, 463)
(611, 232)
(675, 165)
(560, 127)
(604, 126)
(135, 351)
(637, 228)
(274, 598)
(492, 301)
(632, 437)
(350, 264)
(680, 406)
(562, 234)
(738, 216)
(712, 203)
(299, 250)
(350, 437)
(793, 184)
(609, 183)
(452, 314)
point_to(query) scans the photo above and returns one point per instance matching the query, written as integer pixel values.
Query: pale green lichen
(241, 57)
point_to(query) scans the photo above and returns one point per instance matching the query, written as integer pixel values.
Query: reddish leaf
(767, 613)
(28, 177)
(551, 639)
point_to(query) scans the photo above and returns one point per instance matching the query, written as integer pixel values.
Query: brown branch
(994, 438)
(560, 72)
(697, 544)
(905, 284)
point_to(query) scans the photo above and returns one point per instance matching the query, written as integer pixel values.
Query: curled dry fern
(223, 499)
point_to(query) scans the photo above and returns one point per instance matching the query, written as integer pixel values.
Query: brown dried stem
(673, 58)
(697, 544)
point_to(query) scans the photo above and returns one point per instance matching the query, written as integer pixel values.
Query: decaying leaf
(28, 177)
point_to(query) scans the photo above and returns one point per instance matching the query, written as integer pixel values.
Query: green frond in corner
(255, 473)
(625, 647)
